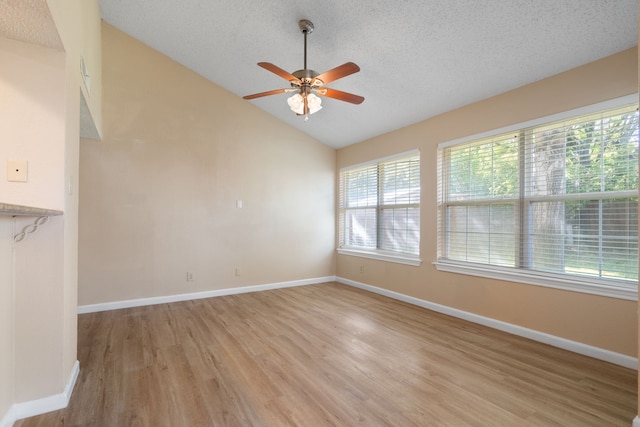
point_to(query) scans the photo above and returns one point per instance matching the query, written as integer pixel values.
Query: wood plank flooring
(327, 355)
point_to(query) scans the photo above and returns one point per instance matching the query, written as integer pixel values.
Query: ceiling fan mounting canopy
(308, 83)
(306, 26)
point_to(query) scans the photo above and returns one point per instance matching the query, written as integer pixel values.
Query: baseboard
(8, 419)
(40, 406)
(574, 346)
(92, 308)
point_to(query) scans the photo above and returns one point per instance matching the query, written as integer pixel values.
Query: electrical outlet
(362, 269)
(190, 276)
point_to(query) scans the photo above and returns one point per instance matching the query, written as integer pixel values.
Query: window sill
(382, 256)
(586, 285)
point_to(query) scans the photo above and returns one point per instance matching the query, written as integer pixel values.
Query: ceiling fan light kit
(308, 84)
(296, 103)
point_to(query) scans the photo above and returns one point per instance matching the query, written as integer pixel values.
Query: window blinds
(380, 206)
(559, 198)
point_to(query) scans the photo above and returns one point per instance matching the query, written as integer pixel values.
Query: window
(553, 203)
(380, 209)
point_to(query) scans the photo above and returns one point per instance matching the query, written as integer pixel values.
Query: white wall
(6, 316)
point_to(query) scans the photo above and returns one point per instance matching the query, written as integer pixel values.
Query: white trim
(565, 282)
(574, 346)
(636, 422)
(382, 256)
(116, 305)
(46, 404)
(380, 160)
(8, 419)
(588, 109)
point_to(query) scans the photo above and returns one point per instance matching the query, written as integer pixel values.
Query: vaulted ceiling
(29, 21)
(418, 58)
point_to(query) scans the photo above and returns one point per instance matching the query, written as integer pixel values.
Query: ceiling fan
(307, 84)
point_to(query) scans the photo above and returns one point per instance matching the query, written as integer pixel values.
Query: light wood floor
(327, 355)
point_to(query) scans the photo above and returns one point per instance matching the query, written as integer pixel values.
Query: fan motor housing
(307, 77)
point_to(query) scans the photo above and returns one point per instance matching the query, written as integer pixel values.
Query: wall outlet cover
(17, 170)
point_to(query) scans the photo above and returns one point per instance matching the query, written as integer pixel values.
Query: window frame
(584, 284)
(376, 253)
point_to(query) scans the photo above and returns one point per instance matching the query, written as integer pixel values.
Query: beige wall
(40, 103)
(39, 366)
(79, 25)
(158, 194)
(598, 321)
(32, 111)
(32, 87)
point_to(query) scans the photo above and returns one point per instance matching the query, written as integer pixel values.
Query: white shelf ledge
(18, 210)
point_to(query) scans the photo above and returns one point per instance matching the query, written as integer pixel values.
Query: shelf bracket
(31, 228)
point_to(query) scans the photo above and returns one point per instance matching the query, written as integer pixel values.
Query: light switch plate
(17, 170)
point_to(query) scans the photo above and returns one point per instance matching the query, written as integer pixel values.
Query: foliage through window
(559, 198)
(380, 207)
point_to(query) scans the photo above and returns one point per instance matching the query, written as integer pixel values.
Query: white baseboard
(40, 406)
(8, 419)
(115, 305)
(574, 346)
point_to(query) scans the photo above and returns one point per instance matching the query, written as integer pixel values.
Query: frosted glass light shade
(296, 103)
(313, 102)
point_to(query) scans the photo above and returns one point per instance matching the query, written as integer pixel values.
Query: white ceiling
(29, 21)
(418, 58)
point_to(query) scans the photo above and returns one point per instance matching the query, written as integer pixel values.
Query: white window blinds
(380, 206)
(557, 198)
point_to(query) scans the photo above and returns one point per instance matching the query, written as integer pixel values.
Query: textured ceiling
(418, 58)
(29, 21)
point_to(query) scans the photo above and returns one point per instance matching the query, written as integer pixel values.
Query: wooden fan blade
(338, 72)
(340, 95)
(279, 71)
(261, 94)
